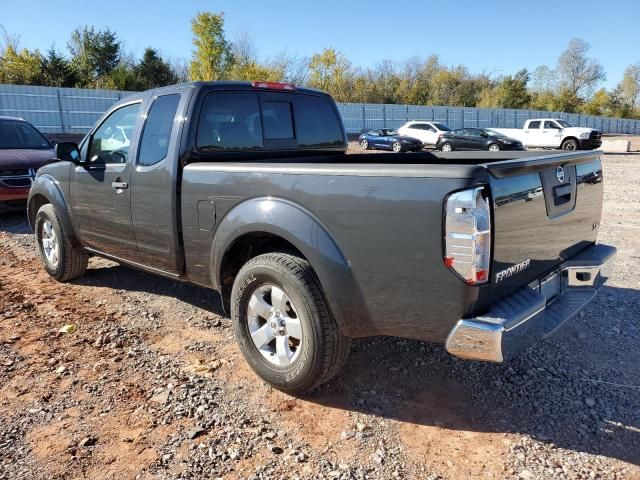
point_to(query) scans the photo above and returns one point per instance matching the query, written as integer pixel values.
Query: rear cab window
(259, 121)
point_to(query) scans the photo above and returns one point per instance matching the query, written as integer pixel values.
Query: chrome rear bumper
(533, 312)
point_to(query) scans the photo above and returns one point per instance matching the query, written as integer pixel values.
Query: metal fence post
(62, 126)
(364, 119)
(447, 115)
(384, 116)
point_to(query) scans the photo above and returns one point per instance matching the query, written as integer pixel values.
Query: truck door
(532, 135)
(154, 182)
(99, 187)
(551, 134)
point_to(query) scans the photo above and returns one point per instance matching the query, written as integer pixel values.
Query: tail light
(468, 235)
(273, 85)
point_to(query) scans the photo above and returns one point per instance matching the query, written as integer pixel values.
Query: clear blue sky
(500, 36)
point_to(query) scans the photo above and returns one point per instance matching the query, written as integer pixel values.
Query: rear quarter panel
(385, 220)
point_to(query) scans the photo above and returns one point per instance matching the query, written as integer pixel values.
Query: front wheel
(283, 324)
(61, 260)
(494, 147)
(364, 144)
(446, 147)
(396, 147)
(569, 145)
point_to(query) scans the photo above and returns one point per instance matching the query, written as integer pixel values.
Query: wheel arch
(267, 224)
(575, 139)
(46, 190)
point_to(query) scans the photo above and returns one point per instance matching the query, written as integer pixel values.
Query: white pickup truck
(554, 133)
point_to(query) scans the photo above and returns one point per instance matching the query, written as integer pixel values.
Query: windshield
(441, 126)
(564, 124)
(21, 135)
(493, 133)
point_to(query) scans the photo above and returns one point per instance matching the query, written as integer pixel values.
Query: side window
(550, 124)
(154, 142)
(111, 142)
(317, 123)
(535, 124)
(229, 121)
(276, 120)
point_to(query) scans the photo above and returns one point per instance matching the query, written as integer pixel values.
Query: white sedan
(425, 131)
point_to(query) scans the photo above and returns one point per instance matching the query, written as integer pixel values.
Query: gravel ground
(151, 385)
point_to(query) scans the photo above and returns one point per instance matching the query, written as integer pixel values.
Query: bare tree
(630, 84)
(8, 40)
(579, 73)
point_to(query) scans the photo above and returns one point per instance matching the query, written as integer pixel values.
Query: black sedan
(476, 139)
(388, 139)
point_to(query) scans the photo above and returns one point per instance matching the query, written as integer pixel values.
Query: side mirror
(485, 135)
(68, 152)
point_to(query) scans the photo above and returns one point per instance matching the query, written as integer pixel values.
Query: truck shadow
(577, 390)
(14, 222)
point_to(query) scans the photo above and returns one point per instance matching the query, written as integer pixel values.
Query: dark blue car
(388, 139)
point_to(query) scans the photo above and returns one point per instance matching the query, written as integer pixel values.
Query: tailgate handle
(562, 194)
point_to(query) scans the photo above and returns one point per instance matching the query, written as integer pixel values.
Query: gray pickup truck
(246, 188)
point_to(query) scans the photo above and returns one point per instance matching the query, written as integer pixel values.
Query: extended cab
(554, 133)
(247, 189)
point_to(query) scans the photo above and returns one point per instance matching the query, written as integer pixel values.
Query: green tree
(94, 54)
(22, 67)
(56, 70)
(331, 71)
(508, 92)
(598, 104)
(153, 71)
(212, 57)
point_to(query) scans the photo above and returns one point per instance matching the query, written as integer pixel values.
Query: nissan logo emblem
(560, 174)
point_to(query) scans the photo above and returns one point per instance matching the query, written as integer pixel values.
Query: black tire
(72, 262)
(364, 144)
(496, 147)
(397, 147)
(442, 147)
(569, 145)
(324, 350)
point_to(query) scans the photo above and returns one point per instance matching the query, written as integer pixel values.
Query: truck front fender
(300, 228)
(46, 189)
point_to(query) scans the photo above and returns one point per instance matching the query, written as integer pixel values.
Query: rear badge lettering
(508, 272)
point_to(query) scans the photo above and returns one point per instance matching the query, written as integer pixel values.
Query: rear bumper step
(533, 312)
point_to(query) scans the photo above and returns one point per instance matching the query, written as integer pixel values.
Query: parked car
(426, 132)
(554, 133)
(253, 195)
(388, 139)
(23, 149)
(476, 139)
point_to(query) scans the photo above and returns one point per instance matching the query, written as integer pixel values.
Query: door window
(535, 124)
(112, 140)
(154, 142)
(550, 124)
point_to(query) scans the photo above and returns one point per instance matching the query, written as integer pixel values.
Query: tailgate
(545, 210)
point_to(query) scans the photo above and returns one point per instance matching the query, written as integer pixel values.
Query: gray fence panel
(75, 110)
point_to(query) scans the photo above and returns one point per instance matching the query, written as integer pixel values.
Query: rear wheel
(446, 147)
(494, 147)
(364, 144)
(61, 260)
(569, 145)
(283, 324)
(397, 147)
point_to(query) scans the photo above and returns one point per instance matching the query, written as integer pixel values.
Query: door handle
(119, 185)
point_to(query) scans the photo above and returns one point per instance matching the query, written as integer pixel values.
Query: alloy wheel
(274, 325)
